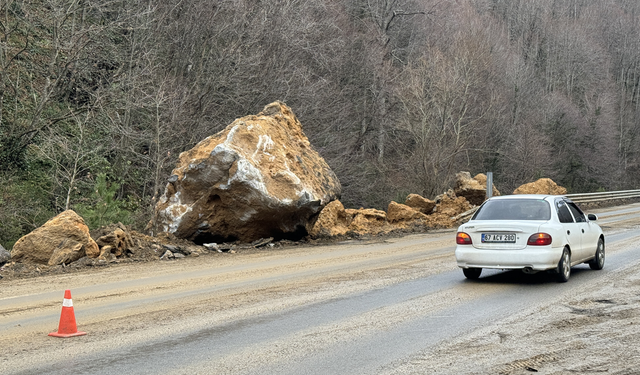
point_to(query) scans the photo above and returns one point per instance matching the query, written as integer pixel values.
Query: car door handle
(583, 231)
(568, 232)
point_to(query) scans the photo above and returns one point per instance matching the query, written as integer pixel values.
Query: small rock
(177, 249)
(178, 255)
(226, 246)
(212, 246)
(105, 253)
(4, 255)
(167, 255)
(171, 248)
(261, 242)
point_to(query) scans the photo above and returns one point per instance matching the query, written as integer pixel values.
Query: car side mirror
(592, 217)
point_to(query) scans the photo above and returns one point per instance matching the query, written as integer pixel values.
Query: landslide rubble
(541, 186)
(258, 184)
(75, 248)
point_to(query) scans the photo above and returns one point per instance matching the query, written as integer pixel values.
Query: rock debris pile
(256, 184)
(541, 186)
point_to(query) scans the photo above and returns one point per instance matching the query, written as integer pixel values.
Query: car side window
(577, 213)
(563, 212)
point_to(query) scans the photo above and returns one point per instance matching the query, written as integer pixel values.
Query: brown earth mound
(448, 207)
(542, 186)
(335, 221)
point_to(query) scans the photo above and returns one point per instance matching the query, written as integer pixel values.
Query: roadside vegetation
(98, 98)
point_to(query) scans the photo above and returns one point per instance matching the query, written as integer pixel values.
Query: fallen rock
(474, 190)
(67, 252)
(63, 239)
(177, 249)
(258, 178)
(447, 211)
(331, 222)
(541, 186)
(4, 255)
(397, 212)
(119, 239)
(366, 220)
(212, 246)
(106, 253)
(419, 203)
(262, 242)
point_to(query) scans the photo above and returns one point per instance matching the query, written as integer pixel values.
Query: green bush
(105, 208)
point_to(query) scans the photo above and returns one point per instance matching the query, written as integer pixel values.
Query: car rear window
(514, 209)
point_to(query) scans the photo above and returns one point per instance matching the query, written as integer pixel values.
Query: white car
(531, 233)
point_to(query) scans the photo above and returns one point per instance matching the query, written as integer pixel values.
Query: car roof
(526, 196)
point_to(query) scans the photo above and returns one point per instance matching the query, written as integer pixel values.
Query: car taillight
(463, 239)
(539, 239)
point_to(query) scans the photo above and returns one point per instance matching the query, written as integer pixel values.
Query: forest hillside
(99, 97)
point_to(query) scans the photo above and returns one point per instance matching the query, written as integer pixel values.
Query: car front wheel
(564, 267)
(472, 273)
(597, 263)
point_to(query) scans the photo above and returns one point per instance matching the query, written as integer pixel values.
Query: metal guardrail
(577, 198)
(604, 196)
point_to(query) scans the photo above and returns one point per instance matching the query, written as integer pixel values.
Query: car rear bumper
(538, 258)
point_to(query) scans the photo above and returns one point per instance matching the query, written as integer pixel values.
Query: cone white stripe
(67, 303)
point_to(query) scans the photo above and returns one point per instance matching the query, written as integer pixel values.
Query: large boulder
(258, 178)
(63, 239)
(474, 190)
(541, 186)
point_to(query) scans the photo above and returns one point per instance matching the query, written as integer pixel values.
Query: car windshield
(514, 209)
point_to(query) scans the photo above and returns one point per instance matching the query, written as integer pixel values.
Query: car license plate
(499, 237)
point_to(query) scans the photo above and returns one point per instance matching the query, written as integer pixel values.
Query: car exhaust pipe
(529, 270)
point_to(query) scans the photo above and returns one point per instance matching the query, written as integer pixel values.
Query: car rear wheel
(472, 273)
(564, 267)
(597, 263)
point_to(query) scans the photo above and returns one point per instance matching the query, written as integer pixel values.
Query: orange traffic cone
(67, 326)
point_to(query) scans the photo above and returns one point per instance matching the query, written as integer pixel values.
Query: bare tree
(72, 154)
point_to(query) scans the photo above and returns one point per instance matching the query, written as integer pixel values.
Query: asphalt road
(352, 308)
